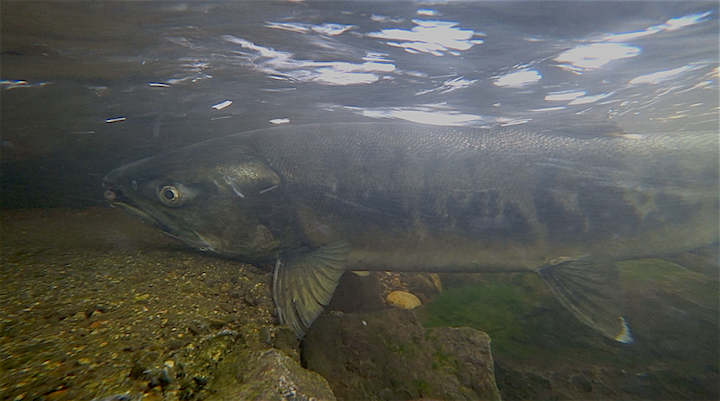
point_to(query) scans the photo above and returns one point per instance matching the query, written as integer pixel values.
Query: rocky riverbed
(94, 305)
(97, 306)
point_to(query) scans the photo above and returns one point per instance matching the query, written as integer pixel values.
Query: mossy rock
(266, 376)
(389, 355)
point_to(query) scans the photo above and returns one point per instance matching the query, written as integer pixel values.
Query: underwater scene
(359, 200)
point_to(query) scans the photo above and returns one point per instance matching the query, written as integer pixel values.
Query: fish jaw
(145, 217)
(150, 217)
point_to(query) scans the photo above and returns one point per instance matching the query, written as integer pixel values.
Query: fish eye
(169, 195)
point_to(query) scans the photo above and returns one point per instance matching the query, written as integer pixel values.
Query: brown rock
(421, 284)
(390, 355)
(403, 300)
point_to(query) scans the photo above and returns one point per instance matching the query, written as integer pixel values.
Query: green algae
(526, 323)
(500, 308)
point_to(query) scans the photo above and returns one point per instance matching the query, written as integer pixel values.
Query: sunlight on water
(594, 56)
(518, 79)
(434, 37)
(657, 77)
(424, 115)
(281, 65)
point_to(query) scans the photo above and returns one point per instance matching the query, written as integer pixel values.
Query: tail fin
(589, 287)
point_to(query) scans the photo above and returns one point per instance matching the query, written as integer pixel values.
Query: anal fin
(589, 287)
(304, 284)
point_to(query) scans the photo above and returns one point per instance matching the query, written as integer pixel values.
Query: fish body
(322, 199)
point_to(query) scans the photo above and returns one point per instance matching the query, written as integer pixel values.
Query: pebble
(265, 335)
(403, 300)
(78, 317)
(216, 323)
(142, 298)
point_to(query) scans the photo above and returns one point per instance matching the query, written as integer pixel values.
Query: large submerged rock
(266, 376)
(389, 355)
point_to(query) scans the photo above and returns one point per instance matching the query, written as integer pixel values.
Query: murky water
(88, 86)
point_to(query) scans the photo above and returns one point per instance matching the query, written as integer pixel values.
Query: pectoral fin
(304, 284)
(590, 288)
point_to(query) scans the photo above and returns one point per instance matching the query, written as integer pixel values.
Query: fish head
(213, 198)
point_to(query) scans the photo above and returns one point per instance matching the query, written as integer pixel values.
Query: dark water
(90, 86)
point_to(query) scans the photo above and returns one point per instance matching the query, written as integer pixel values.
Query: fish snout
(112, 195)
(111, 192)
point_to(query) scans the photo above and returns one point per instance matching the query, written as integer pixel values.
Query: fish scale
(317, 200)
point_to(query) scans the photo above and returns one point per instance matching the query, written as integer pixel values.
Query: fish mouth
(119, 200)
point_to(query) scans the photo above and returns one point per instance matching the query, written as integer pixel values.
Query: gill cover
(247, 180)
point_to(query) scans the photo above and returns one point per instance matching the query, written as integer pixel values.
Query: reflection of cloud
(677, 23)
(377, 57)
(546, 109)
(596, 55)
(518, 79)
(449, 86)
(660, 76)
(564, 95)
(425, 11)
(384, 18)
(281, 65)
(430, 115)
(341, 73)
(622, 37)
(669, 25)
(609, 47)
(434, 37)
(575, 97)
(590, 99)
(328, 29)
